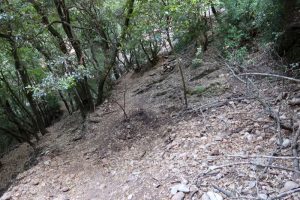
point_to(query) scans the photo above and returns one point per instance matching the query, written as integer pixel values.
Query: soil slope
(162, 145)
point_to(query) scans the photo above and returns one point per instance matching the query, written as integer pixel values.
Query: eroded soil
(162, 144)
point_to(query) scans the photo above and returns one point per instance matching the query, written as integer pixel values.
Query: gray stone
(130, 197)
(262, 196)
(249, 138)
(173, 191)
(178, 196)
(211, 196)
(286, 143)
(289, 185)
(35, 182)
(65, 189)
(184, 181)
(180, 188)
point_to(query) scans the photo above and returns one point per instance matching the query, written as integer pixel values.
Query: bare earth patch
(163, 150)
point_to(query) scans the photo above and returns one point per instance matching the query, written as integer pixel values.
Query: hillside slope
(162, 151)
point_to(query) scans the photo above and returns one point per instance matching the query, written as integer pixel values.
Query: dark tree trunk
(50, 28)
(21, 125)
(16, 99)
(26, 82)
(83, 97)
(43, 51)
(214, 11)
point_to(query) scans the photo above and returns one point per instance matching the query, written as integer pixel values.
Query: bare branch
(271, 75)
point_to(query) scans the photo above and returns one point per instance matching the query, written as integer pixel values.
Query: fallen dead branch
(227, 193)
(284, 194)
(295, 149)
(264, 156)
(212, 168)
(193, 193)
(215, 104)
(270, 111)
(271, 75)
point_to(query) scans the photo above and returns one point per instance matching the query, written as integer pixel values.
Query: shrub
(244, 20)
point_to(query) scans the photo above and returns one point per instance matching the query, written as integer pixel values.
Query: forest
(106, 76)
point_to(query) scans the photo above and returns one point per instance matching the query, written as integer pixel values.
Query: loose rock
(178, 196)
(180, 188)
(65, 189)
(35, 182)
(130, 197)
(211, 196)
(286, 143)
(289, 185)
(262, 196)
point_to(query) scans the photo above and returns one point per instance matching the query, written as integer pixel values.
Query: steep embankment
(163, 151)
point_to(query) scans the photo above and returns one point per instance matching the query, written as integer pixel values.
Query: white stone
(263, 196)
(180, 188)
(286, 143)
(289, 185)
(178, 196)
(249, 138)
(130, 197)
(211, 196)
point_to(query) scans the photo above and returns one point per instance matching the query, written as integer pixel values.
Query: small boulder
(286, 143)
(178, 196)
(289, 185)
(180, 188)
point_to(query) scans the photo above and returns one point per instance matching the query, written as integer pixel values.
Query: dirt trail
(160, 146)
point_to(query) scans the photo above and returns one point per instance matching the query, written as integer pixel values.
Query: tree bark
(51, 29)
(40, 49)
(109, 63)
(26, 82)
(84, 97)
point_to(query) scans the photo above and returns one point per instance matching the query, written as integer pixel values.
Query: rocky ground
(217, 148)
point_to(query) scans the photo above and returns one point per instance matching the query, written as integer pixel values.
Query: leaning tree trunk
(26, 82)
(113, 53)
(83, 95)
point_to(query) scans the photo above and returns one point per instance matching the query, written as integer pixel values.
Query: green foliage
(197, 61)
(98, 27)
(241, 21)
(198, 90)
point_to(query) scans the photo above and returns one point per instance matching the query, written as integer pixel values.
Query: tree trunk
(26, 82)
(50, 28)
(43, 51)
(83, 95)
(22, 126)
(16, 99)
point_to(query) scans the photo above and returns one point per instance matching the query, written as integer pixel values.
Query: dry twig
(227, 193)
(271, 75)
(295, 149)
(284, 194)
(264, 156)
